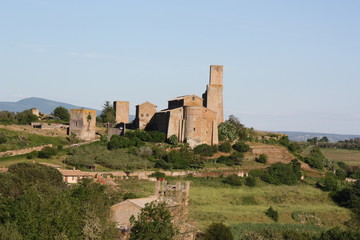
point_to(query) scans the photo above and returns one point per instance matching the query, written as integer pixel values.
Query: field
(351, 157)
(213, 201)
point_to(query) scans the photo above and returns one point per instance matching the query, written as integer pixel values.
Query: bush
(204, 150)
(237, 158)
(118, 142)
(241, 147)
(250, 181)
(157, 175)
(262, 158)
(218, 231)
(173, 140)
(330, 182)
(3, 138)
(32, 155)
(162, 164)
(47, 152)
(271, 213)
(225, 147)
(233, 180)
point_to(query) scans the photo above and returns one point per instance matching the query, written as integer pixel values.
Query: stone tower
(121, 111)
(83, 123)
(213, 97)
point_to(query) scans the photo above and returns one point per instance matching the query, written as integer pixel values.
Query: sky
(288, 65)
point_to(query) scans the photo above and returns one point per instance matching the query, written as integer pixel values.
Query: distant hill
(303, 136)
(44, 105)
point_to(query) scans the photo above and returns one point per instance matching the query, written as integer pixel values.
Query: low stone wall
(23, 151)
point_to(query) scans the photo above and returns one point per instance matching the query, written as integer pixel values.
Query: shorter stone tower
(83, 123)
(121, 111)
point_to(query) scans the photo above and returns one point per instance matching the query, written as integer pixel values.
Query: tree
(330, 182)
(218, 231)
(153, 223)
(25, 117)
(262, 158)
(61, 113)
(108, 113)
(227, 131)
(241, 146)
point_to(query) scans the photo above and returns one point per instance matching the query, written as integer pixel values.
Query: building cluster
(192, 119)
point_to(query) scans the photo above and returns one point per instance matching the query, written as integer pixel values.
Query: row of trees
(26, 117)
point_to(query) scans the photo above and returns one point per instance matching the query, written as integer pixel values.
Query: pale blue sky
(288, 65)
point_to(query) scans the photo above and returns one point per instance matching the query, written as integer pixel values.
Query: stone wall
(23, 151)
(83, 123)
(121, 111)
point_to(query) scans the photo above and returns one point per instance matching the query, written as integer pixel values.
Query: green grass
(351, 157)
(213, 201)
(239, 229)
(20, 140)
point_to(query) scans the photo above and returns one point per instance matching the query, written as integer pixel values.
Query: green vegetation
(273, 214)
(205, 150)
(279, 173)
(233, 180)
(107, 114)
(22, 118)
(154, 222)
(241, 147)
(33, 193)
(62, 113)
(19, 140)
(217, 231)
(225, 147)
(262, 158)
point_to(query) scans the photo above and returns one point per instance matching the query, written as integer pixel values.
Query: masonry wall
(144, 114)
(121, 111)
(83, 123)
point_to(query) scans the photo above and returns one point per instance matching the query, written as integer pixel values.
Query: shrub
(271, 213)
(225, 147)
(129, 195)
(262, 158)
(250, 181)
(32, 155)
(237, 158)
(118, 142)
(204, 150)
(233, 180)
(241, 147)
(47, 152)
(162, 164)
(3, 138)
(173, 140)
(330, 182)
(157, 175)
(156, 136)
(218, 231)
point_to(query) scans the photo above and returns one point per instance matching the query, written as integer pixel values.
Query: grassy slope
(20, 140)
(216, 202)
(351, 157)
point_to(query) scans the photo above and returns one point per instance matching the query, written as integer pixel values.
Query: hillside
(44, 105)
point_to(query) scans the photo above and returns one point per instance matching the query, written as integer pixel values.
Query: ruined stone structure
(121, 111)
(35, 111)
(192, 119)
(83, 123)
(176, 198)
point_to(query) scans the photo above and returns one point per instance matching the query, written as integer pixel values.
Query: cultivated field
(351, 157)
